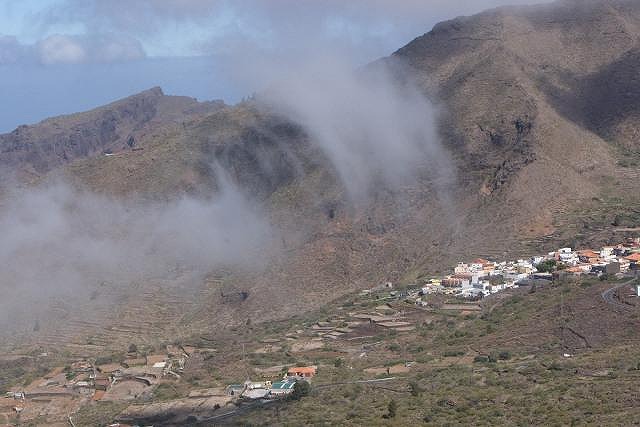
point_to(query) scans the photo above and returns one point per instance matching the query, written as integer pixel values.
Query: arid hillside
(541, 104)
(538, 109)
(31, 151)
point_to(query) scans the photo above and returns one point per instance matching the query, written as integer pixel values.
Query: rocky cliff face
(541, 106)
(38, 149)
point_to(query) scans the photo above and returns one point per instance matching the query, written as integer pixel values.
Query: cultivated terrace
(475, 346)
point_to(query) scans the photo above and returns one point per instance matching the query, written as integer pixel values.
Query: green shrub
(393, 347)
(504, 355)
(547, 266)
(415, 389)
(300, 389)
(417, 349)
(392, 408)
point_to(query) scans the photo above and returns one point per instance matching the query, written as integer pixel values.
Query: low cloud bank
(376, 127)
(58, 241)
(71, 49)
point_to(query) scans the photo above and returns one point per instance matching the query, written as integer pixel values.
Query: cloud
(377, 129)
(71, 49)
(57, 241)
(66, 49)
(61, 49)
(367, 28)
(11, 51)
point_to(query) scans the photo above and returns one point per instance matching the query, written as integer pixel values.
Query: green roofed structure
(282, 388)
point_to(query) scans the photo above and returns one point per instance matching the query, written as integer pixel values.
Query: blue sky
(63, 56)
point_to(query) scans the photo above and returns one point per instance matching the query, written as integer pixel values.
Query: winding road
(609, 295)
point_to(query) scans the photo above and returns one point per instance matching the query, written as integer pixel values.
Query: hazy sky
(62, 56)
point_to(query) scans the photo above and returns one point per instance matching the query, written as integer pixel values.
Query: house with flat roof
(235, 389)
(281, 388)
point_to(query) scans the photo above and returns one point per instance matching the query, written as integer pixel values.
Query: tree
(300, 389)
(547, 266)
(415, 389)
(392, 408)
(497, 280)
(133, 348)
(504, 355)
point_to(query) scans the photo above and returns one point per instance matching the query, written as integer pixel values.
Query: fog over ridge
(375, 125)
(58, 240)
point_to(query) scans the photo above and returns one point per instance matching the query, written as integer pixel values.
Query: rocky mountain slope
(38, 149)
(539, 107)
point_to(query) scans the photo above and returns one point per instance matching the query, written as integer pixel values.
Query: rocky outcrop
(43, 147)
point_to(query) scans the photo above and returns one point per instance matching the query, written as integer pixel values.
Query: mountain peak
(114, 127)
(154, 91)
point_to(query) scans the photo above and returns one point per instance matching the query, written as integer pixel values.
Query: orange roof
(303, 370)
(110, 367)
(480, 261)
(98, 394)
(634, 257)
(589, 253)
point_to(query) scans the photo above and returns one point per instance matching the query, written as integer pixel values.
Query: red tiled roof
(303, 370)
(111, 367)
(634, 257)
(588, 253)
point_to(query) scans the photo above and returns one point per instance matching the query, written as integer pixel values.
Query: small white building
(461, 268)
(537, 260)
(606, 253)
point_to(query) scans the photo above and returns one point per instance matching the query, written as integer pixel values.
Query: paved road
(609, 295)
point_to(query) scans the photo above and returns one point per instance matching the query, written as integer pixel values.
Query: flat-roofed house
(282, 388)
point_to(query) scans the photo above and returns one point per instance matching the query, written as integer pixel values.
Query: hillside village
(481, 278)
(397, 309)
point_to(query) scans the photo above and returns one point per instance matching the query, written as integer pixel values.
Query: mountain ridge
(38, 149)
(536, 164)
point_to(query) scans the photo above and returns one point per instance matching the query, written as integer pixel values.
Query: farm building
(302, 371)
(282, 388)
